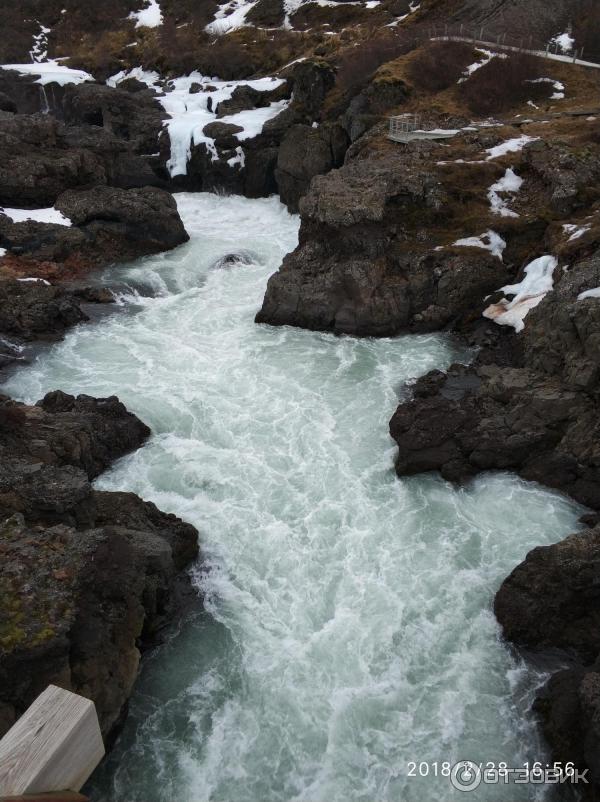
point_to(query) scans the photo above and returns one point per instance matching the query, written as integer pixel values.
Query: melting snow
(490, 241)
(39, 50)
(559, 87)
(50, 72)
(239, 159)
(148, 17)
(511, 183)
(576, 231)
(565, 41)
(510, 146)
(50, 215)
(537, 283)
(595, 293)
(230, 16)
(190, 113)
(33, 278)
(488, 55)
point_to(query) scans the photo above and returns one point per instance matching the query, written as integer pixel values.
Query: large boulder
(488, 417)
(31, 310)
(305, 152)
(364, 264)
(109, 225)
(34, 165)
(135, 117)
(551, 603)
(88, 578)
(552, 599)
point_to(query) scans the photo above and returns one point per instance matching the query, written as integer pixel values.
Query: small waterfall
(44, 105)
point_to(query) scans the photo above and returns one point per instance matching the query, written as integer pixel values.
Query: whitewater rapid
(349, 627)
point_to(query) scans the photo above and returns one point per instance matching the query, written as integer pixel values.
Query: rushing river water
(350, 627)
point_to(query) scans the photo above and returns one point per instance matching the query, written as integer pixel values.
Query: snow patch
(34, 278)
(565, 41)
(2, 252)
(509, 183)
(148, 17)
(576, 231)
(595, 293)
(488, 55)
(490, 241)
(558, 86)
(537, 283)
(50, 215)
(50, 72)
(510, 146)
(39, 50)
(239, 160)
(190, 113)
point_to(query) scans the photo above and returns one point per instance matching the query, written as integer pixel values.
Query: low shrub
(503, 84)
(357, 64)
(11, 416)
(440, 65)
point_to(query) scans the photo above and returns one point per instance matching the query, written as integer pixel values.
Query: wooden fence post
(54, 746)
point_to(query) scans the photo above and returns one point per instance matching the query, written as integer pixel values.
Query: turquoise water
(348, 629)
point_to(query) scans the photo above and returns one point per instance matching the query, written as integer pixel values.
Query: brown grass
(503, 84)
(440, 65)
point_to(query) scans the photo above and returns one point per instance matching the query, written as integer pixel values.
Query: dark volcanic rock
(109, 225)
(364, 264)
(33, 310)
(135, 116)
(245, 97)
(304, 153)
(492, 418)
(88, 577)
(34, 168)
(223, 134)
(552, 599)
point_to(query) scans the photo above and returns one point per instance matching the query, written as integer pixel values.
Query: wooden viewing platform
(52, 749)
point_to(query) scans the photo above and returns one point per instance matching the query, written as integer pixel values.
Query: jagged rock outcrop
(88, 577)
(109, 225)
(552, 601)
(364, 264)
(304, 153)
(537, 416)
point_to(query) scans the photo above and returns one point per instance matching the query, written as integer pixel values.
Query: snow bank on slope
(509, 183)
(50, 72)
(490, 241)
(50, 215)
(148, 17)
(230, 16)
(510, 146)
(488, 55)
(537, 283)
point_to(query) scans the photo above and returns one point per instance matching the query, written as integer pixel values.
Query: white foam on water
(351, 628)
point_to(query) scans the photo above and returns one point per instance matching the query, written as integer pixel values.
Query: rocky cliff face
(88, 578)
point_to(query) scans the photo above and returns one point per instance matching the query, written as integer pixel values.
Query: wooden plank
(59, 796)
(54, 746)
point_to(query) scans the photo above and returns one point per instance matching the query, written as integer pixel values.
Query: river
(348, 627)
